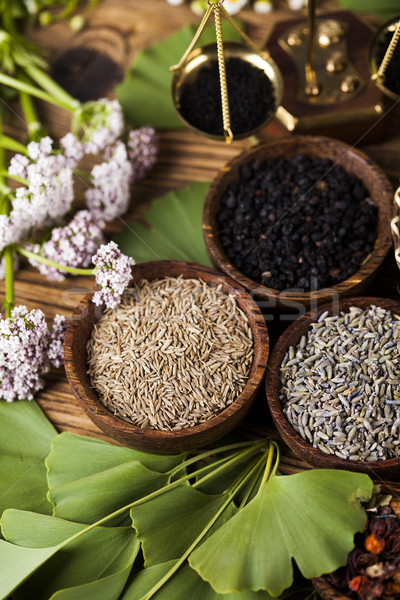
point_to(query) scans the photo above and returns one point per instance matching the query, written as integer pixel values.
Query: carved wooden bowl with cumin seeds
(378, 469)
(153, 440)
(352, 161)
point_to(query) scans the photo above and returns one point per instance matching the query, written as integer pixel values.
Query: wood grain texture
(183, 157)
(152, 440)
(351, 160)
(384, 469)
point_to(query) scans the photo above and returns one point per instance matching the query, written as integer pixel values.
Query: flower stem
(51, 263)
(6, 175)
(8, 250)
(33, 124)
(9, 277)
(8, 143)
(51, 87)
(21, 86)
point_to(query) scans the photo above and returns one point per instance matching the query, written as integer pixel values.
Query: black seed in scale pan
(300, 222)
(250, 92)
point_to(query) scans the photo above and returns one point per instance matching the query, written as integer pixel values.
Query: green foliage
(195, 541)
(311, 517)
(108, 478)
(175, 228)
(145, 93)
(385, 9)
(158, 521)
(25, 436)
(98, 553)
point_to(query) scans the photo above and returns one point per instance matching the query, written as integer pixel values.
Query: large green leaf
(106, 588)
(185, 585)
(25, 436)
(311, 517)
(145, 93)
(108, 478)
(175, 228)
(165, 532)
(383, 8)
(95, 554)
(18, 563)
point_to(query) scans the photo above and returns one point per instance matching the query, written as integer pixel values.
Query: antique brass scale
(326, 80)
(194, 59)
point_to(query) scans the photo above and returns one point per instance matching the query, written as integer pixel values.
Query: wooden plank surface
(121, 28)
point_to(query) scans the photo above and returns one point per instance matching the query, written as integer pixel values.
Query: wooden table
(121, 28)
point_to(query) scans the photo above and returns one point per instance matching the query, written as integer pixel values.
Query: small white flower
(233, 6)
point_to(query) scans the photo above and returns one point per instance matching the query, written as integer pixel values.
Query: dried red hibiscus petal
(374, 543)
(354, 583)
(373, 567)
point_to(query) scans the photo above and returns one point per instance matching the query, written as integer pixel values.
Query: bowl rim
(291, 336)
(102, 415)
(299, 143)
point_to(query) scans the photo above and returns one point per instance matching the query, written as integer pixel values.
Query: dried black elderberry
(250, 91)
(299, 222)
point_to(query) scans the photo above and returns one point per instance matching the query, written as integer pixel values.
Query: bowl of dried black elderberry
(372, 571)
(332, 386)
(299, 220)
(176, 365)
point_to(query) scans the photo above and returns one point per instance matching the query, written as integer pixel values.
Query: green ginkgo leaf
(106, 588)
(175, 231)
(165, 532)
(18, 563)
(185, 585)
(94, 554)
(109, 478)
(145, 93)
(25, 436)
(310, 517)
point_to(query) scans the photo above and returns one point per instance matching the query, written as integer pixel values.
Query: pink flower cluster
(108, 198)
(113, 272)
(27, 349)
(71, 246)
(45, 199)
(101, 122)
(142, 150)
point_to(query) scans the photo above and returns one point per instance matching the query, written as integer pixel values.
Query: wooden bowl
(79, 330)
(352, 161)
(382, 469)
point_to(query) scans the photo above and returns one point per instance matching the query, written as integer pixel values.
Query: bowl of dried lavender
(299, 221)
(372, 571)
(333, 386)
(176, 365)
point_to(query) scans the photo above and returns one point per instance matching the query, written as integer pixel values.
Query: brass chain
(226, 118)
(380, 74)
(195, 39)
(395, 224)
